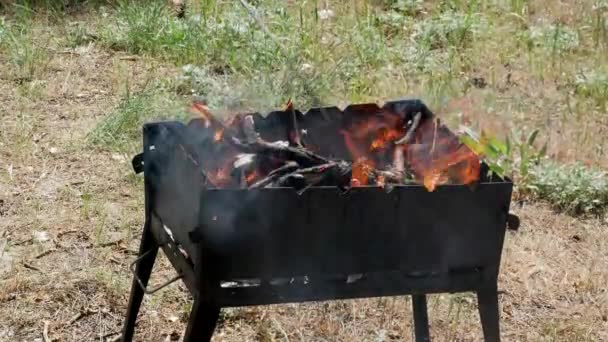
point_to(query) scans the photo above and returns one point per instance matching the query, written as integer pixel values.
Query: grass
(121, 130)
(530, 72)
(363, 53)
(27, 56)
(574, 188)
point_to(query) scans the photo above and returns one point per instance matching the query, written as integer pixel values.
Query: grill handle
(512, 222)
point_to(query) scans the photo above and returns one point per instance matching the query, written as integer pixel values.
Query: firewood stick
(294, 136)
(311, 176)
(254, 144)
(275, 174)
(248, 126)
(398, 159)
(199, 106)
(409, 135)
(302, 156)
(389, 176)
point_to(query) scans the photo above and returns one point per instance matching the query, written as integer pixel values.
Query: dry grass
(90, 205)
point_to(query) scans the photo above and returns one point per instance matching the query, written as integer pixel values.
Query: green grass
(573, 188)
(371, 50)
(304, 56)
(27, 55)
(121, 130)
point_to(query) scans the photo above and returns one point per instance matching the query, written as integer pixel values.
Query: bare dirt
(71, 215)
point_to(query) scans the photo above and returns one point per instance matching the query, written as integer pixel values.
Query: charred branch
(280, 151)
(294, 136)
(274, 175)
(409, 135)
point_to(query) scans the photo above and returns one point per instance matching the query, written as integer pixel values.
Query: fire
(384, 138)
(219, 177)
(251, 177)
(381, 181)
(440, 158)
(219, 135)
(200, 108)
(383, 148)
(360, 172)
(434, 157)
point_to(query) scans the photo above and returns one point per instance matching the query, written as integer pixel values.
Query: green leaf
(532, 137)
(471, 133)
(497, 169)
(543, 151)
(508, 145)
(498, 145)
(474, 145)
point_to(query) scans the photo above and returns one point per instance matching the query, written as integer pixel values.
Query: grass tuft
(574, 188)
(121, 130)
(593, 85)
(27, 55)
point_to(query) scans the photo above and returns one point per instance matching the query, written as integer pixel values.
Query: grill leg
(202, 321)
(421, 318)
(143, 269)
(487, 300)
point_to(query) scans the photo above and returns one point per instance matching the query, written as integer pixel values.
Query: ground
(71, 209)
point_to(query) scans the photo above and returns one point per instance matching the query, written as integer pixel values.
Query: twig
(60, 234)
(409, 135)
(45, 332)
(294, 133)
(248, 126)
(252, 12)
(110, 243)
(276, 174)
(279, 327)
(81, 315)
(302, 156)
(47, 252)
(114, 339)
(111, 333)
(31, 267)
(434, 137)
(199, 106)
(22, 242)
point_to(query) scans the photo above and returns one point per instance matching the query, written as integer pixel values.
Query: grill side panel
(275, 232)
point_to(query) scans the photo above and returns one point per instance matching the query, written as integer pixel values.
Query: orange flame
(360, 172)
(219, 135)
(202, 110)
(219, 177)
(288, 105)
(251, 177)
(440, 157)
(381, 182)
(384, 137)
(435, 157)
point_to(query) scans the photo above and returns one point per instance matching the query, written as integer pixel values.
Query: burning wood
(386, 150)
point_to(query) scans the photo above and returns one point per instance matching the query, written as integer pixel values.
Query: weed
(600, 23)
(555, 39)
(449, 29)
(574, 188)
(78, 35)
(28, 58)
(407, 7)
(593, 85)
(121, 130)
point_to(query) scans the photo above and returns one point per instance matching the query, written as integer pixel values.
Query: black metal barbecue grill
(238, 247)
